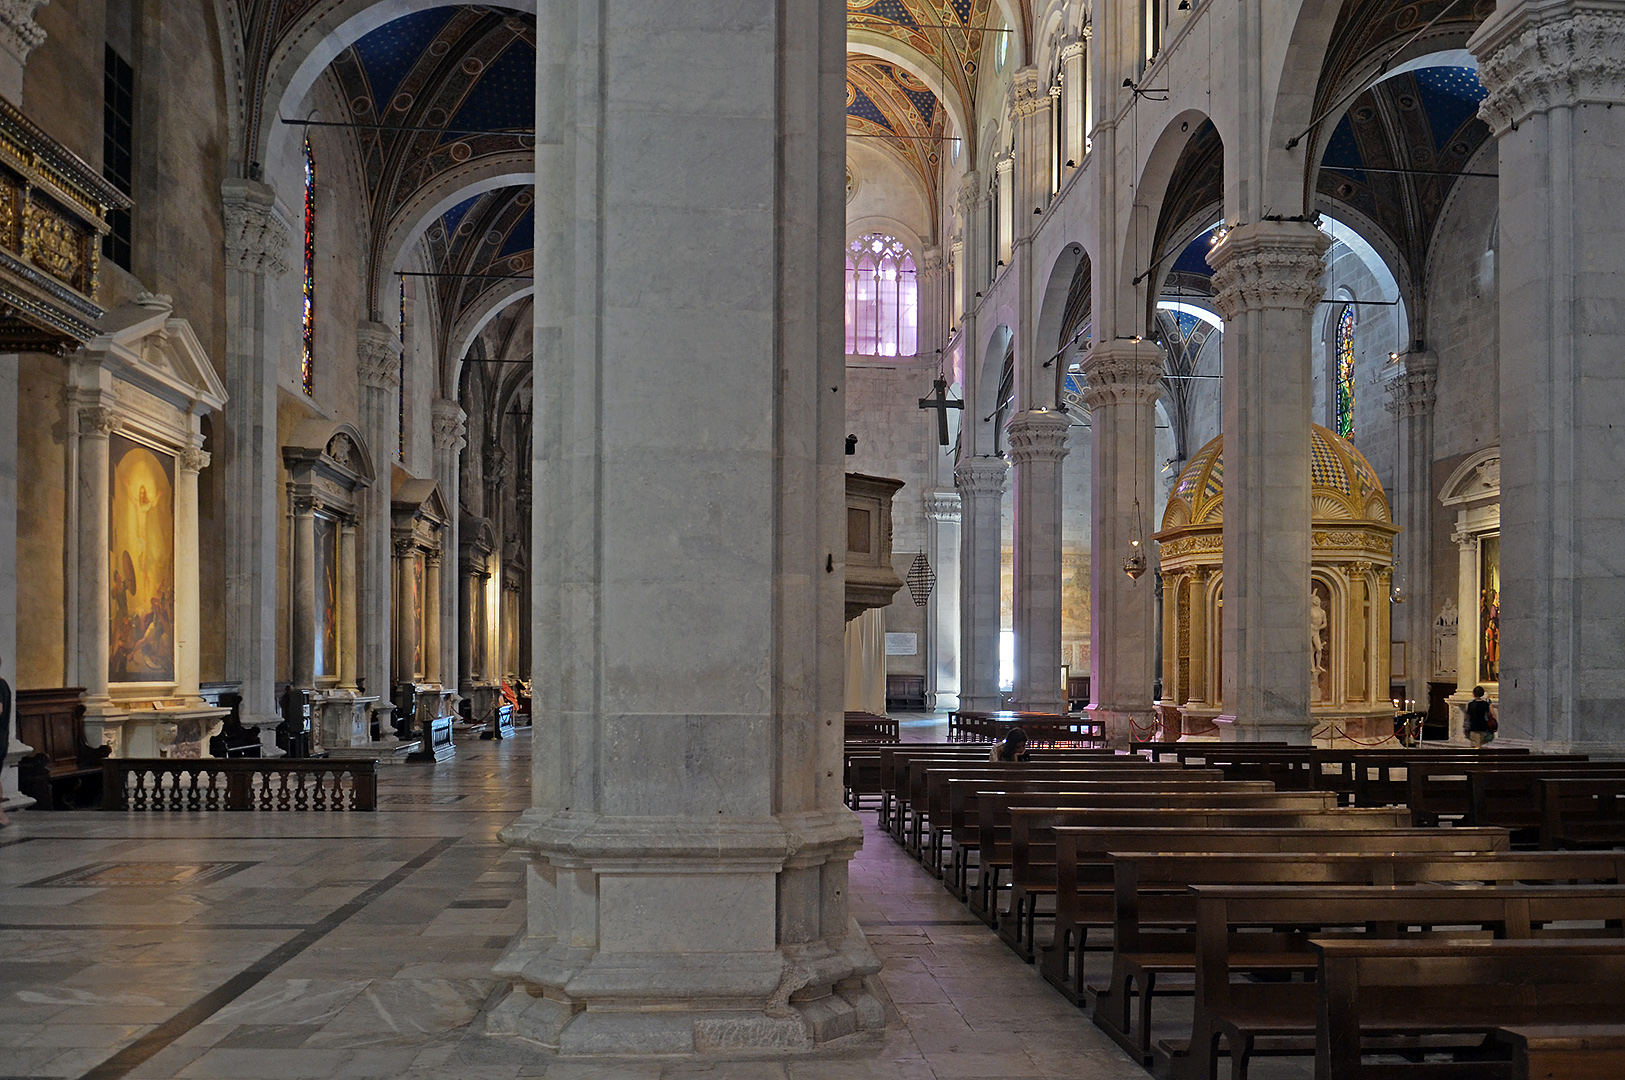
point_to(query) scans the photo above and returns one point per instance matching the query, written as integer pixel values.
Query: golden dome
(1342, 485)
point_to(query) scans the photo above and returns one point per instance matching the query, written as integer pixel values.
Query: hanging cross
(942, 405)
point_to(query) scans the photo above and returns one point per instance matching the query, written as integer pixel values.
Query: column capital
(193, 460)
(981, 476)
(97, 421)
(256, 234)
(1038, 435)
(379, 352)
(1028, 94)
(1076, 48)
(942, 505)
(19, 33)
(972, 192)
(1268, 264)
(1123, 374)
(450, 428)
(1411, 390)
(1540, 55)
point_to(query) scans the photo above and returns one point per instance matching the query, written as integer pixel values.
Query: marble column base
(343, 719)
(666, 935)
(11, 796)
(1293, 733)
(1118, 726)
(981, 702)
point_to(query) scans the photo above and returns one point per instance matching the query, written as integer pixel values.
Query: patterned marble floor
(281, 946)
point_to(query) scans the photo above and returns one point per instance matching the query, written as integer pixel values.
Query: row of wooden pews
(1212, 902)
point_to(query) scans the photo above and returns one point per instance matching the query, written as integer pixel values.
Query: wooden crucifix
(941, 403)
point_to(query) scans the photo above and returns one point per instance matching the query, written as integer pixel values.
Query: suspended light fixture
(1135, 564)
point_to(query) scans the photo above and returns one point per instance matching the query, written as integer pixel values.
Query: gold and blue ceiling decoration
(946, 34)
(488, 238)
(885, 102)
(460, 80)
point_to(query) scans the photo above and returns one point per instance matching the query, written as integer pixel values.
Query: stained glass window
(1345, 372)
(882, 298)
(307, 366)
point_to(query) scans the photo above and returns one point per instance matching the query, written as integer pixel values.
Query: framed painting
(141, 556)
(326, 660)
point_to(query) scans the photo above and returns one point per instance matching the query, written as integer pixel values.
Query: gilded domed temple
(1352, 533)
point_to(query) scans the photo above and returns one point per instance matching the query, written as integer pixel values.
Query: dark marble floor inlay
(109, 875)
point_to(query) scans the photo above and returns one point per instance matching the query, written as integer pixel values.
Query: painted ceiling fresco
(886, 103)
(946, 34)
(490, 235)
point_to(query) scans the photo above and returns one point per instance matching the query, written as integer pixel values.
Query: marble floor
(289, 945)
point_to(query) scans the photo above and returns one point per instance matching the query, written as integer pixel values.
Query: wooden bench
(1033, 879)
(1278, 1018)
(963, 795)
(1339, 769)
(1568, 1051)
(1085, 898)
(860, 778)
(1440, 790)
(997, 823)
(151, 784)
(907, 793)
(1155, 915)
(1581, 812)
(1376, 994)
(868, 727)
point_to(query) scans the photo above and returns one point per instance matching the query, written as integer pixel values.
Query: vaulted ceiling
(885, 102)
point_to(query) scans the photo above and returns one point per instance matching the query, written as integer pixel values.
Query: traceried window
(307, 363)
(1345, 372)
(882, 298)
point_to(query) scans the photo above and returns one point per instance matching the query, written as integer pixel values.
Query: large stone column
(687, 852)
(980, 481)
(10, 797)
(1124, 381)
(1037, 448)
(188, 612)
(302, 596)
(256, 235)
(378, 352)
(1267, 281)
(942, 656)
(348, 640)
(1410, 399)
(97, 422)
(1555, 72)
(449, 434)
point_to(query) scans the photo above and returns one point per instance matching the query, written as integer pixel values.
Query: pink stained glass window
(882, 298)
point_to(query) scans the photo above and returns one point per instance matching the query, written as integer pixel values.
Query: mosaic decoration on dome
(1343, 485)
(947, 34)
(488, 234)
(883, 99)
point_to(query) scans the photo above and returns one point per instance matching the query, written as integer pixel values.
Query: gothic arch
(467, 328)
(1154, 192)
(1051, 327)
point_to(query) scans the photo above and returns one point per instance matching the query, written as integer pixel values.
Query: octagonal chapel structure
(1351, 572)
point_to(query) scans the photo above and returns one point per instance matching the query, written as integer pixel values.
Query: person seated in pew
(1013, 747)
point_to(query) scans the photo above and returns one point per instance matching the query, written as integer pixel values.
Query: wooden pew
(1570, 992)
(1154, 914)
(1338, 769)
(1084, 898)
(868, 727)
(997, 818)
(860, 777)
(927, 792)
(1564, 1051)
(65, 770)
(1437, 791)
(907, 793)
(964, 807)
(1581, 812)
(1032, 841)
(1278, 1018)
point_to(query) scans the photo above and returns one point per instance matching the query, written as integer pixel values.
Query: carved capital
(405, 546)
(972, 193)
(19, 33)
(1072, 50)
(1028, 93)
(1534, 58)
(981, 476)
(450, 428)
(942, 505)
(1130, 375)
(97, 421)
(378, 352)
(193, 460)
(1038, 436)
(1411, 390)
(256, 236)
(1268, 264)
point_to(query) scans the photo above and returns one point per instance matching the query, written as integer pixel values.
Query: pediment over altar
(144, 345)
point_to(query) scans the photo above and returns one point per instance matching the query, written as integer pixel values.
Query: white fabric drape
(866, 663)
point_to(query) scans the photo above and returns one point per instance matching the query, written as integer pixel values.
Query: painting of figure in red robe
(141, 570)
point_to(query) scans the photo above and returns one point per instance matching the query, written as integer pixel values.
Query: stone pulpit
(871, 580)
(1351, 567)
(328, 469)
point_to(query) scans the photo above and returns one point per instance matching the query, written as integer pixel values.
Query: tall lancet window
(1345, 372)
(882, 298)
(307, 363)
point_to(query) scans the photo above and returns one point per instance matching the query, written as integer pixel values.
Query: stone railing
(239, 784)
